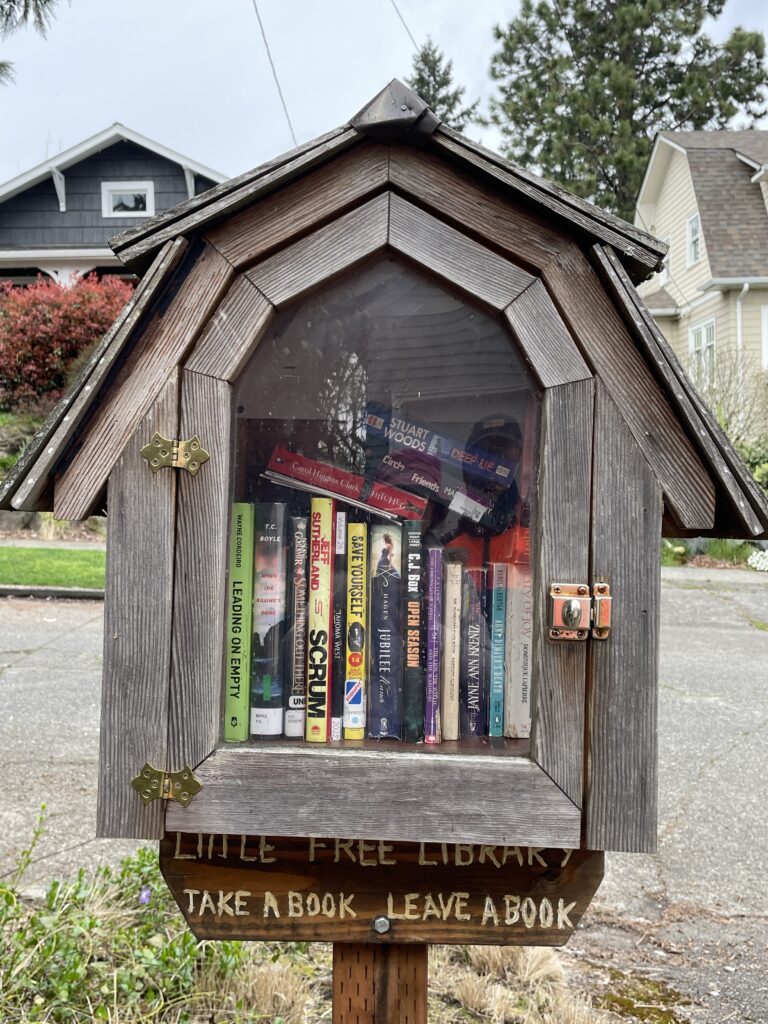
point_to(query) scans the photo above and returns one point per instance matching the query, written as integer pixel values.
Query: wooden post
(384, 984)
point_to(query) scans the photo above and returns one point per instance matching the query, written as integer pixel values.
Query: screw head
(381, 924)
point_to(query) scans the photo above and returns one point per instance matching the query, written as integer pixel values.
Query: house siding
(33, 219)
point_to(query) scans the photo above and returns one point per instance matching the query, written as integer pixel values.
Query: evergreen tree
(16, 13)
(432, 79)
(584, 85)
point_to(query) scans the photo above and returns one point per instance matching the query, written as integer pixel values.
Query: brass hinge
(155, 784)
(574, 612)
(161, 452)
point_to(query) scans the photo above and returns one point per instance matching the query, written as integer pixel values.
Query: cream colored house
(706, 194)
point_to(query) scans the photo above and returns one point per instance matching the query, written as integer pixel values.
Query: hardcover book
(474, 651)
(451, 667)
(355, 681)
(414, 629)
(498, 600)
(296, 637)
(338, 639)
(269, 615)
(320, 620)
(385, 712)
(239, 619)
(432, 731)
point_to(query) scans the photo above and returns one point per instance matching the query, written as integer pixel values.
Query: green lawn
(52, 567)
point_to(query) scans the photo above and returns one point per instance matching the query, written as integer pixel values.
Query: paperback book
(517, 696)
(474, 653)
(296, 637)
(498, 599)
(338, 641)
(320, 620)
(414, 630)
(385, 714)
(239, 619)
(355, 681)
(269, 619)
(451, 666)
(432, 731)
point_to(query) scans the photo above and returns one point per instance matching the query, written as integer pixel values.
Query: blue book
(385, 706)
(498, 644)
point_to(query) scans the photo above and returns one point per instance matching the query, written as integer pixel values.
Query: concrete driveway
(694, 916)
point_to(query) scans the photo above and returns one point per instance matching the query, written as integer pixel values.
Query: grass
(52, 567)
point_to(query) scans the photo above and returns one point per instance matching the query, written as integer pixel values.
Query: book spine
(355, 681)
(451, 667)
(339, 647)
(296, 638)
(517, 697)
(432, 730)
(319, 620)
(269, 615)
(414, 629)
(474, 647)
(498, 635)
(386, 637)
(239, 619)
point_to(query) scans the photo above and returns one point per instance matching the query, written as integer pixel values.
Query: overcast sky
(194, 76)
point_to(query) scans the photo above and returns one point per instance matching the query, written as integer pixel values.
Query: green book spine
(239, 620)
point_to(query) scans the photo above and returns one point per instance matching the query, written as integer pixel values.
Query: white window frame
(693, 239)
(702, 368)
(764, 337)
(108, 188)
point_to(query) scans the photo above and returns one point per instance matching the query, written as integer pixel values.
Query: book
(338, 638)
(517, 695)
(239, 619)
(319, 620)
(451, 662)
(269, 619)
(432, 731)
(296, 636)
(385, 692)
(498, 602)
(355, 680)
(414, 633)
(291, 469)
(473, 700)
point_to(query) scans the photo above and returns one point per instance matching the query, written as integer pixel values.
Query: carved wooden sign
(363, 890)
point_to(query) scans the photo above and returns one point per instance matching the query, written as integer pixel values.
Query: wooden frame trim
(233, 332)
(609, 349)
(320, 196)
(30, 476)
(544, 339)
(160, 349)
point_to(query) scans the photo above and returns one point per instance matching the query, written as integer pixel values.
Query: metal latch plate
(570, 611)
(601, 611)
(161, 452)
(155, 784)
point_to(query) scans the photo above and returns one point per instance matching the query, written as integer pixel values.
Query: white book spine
(519, 652)
(451, 662)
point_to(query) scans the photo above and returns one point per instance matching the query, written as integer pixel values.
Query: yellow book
(355, 683)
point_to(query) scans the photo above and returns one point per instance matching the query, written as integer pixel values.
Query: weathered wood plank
(232, 332)
(327, 192)
(561, 554)
(453, 256)
(331, 250)
(137, 629)
(379, 984)
(475, 207)
(31, 474)
(547, 346)
(136, 246)
(481, 799)
(197, 657)
(748, 500)
(642, 249)
(537, 895)
(162, 346)
(626, 537)
(609, 349)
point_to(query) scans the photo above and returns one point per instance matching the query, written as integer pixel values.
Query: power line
(402, 19)
(274, 72)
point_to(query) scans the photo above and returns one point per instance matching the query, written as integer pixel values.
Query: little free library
(388, 443)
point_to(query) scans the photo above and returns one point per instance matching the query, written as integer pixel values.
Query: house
(56, 217)
(706, 195)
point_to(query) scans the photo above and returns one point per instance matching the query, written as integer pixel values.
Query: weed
(735, 552)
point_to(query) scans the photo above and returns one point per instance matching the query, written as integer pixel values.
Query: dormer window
(694, 240)
(127, 199)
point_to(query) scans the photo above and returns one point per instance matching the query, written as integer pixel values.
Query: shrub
(755, 455)
(45, 327)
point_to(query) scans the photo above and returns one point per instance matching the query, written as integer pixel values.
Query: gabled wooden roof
(560, 273)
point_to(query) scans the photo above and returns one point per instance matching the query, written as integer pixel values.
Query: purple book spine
(434, 621)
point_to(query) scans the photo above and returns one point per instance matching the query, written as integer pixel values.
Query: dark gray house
(56, 218)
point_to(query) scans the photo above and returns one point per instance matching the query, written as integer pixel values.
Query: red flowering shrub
(45, 327)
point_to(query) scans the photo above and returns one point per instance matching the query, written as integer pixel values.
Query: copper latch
(573, 612)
